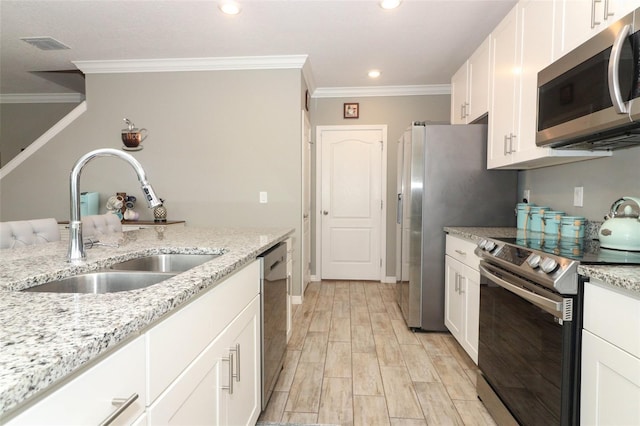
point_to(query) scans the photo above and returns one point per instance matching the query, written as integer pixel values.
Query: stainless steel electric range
(530, 326)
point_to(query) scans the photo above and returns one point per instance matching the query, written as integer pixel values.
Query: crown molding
(361, 92)
(192, 64)
(41, 98)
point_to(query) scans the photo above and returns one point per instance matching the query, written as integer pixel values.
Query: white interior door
(351, 201)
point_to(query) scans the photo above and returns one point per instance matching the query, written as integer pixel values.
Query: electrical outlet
(263, 197)
(526, 195)
(578, 193)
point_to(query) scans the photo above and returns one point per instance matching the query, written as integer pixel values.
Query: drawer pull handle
(237, 351)
(122, 405)
(230, 387)
(461, 253)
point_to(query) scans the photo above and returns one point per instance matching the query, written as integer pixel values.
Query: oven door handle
(551, 306)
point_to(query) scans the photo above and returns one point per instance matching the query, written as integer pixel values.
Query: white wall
(216, 139)
(604, 181)
(397, 112)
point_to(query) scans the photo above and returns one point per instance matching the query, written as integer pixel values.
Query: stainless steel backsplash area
(604, 181)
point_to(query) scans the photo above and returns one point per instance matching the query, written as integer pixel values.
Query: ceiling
(423, 42)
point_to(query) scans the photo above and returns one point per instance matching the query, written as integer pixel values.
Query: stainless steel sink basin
(102, 282)
(165, 262)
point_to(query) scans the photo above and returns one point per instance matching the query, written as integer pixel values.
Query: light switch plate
(578, 193)
(263, 197)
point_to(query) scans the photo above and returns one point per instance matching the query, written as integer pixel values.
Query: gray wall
(216, 139)
(397, 112)
(604, 181)
(21, 124)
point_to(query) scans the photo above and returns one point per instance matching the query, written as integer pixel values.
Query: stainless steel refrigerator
(442, 181)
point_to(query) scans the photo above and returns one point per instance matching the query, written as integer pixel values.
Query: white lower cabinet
(462, 294)
(95, 394)
(222, 386)
(610, 384)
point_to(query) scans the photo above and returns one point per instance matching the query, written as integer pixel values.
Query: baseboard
(296, 300)
(389, 280)
(315, 278)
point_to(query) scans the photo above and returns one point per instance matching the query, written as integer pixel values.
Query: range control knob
(489, 246)
(548, 265)
(534, 261)
(482, 243)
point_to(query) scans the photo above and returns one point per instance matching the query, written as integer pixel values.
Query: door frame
(383, 192)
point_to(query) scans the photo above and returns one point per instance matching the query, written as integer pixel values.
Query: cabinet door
(479, 81)
(470, 294)
(501, 119)
(534, 53)
(289, 284)
(610, 387)
(453, 306)
(88, 399)
(459, 100)
(242, 406)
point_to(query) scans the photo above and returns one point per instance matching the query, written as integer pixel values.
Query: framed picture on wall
(351, 110)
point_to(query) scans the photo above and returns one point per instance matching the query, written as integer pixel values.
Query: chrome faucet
(76, 245)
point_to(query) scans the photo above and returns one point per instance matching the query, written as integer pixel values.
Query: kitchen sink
(165, 262)
(102, 282)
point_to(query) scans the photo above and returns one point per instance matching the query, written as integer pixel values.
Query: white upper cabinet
(470, 87)
(579, 20)
(522, 45)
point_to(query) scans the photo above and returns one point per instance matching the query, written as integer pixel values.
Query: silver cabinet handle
(511, 136)
(237, 351)
(593, 13)
(460, 286)
(230, 387)
(324, 212)
(613, 71)
(461, 253)
(506, 138)
(466, 109)
(607, 14)
(122, 405)
(457, 286)
(461, 111)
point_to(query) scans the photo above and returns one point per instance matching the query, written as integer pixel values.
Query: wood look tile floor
(351, 360)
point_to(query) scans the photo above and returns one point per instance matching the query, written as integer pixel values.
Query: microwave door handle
(551, 306)
(614, 71)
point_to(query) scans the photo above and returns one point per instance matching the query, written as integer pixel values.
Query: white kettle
(621, 230)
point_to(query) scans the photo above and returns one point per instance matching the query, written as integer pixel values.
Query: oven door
(527, 349)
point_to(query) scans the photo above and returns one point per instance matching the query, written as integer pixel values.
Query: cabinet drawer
(177, 341)
(462, 250)
(87, 399)
(613, 316)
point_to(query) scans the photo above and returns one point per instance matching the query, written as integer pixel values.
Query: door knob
(324, 212)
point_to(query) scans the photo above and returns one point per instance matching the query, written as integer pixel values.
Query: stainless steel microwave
(587, 99)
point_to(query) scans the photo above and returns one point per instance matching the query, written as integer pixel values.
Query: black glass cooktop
(586, 251)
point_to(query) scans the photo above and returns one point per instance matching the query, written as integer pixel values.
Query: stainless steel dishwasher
(273, 295)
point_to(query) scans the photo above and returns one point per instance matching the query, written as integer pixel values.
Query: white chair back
(100, 224)
(22, 233)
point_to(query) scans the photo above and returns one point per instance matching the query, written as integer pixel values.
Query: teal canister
(537, 212)
(572, 227)
(551, 222)
(523, 212)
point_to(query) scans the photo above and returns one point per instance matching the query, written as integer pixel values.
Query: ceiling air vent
(45, 43)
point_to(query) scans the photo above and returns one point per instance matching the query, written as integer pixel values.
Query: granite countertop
(45, 337)
(621, 276)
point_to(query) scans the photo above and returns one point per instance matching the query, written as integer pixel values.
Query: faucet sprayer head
(150, 195)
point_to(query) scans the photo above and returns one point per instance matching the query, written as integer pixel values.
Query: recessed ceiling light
(374, 73)
(389, 4)
(230, 7)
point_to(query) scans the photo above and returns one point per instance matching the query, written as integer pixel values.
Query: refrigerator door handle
(399, 210)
